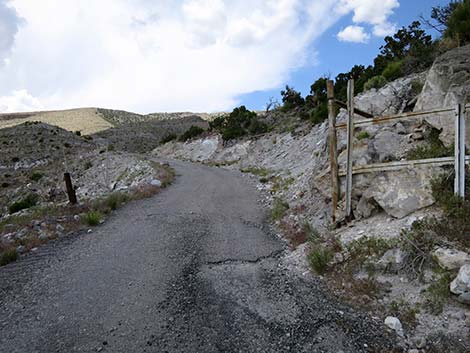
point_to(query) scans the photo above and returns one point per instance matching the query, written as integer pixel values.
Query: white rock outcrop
(395, 324)
(451, 259)
(447, 83)
(461, 284)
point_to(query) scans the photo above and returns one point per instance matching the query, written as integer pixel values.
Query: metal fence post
(335, 190)
(350, 128)
(459, 185)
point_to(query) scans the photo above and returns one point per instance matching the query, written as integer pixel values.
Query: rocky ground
(373, 261)
(34, 205)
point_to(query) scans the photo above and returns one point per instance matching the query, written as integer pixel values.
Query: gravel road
(194, 269)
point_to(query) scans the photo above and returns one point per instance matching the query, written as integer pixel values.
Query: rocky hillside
(404, 257)
(144, 136)
(33, 202)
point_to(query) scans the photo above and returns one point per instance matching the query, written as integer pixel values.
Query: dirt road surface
(194, 269)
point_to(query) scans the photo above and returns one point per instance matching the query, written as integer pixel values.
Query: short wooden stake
(70, 190)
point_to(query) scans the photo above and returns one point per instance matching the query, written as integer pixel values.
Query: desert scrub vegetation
(92, 218)
(363, 135)
(405, 312)
(168, 138)
(258, 171)
(426, 234)
(28, 202)
(116, 200)
(433, 148)
(279, 209)
(240, 122)
(7, 256)
(36, 176)
(438, 293)
(319, 259)
(192, 132)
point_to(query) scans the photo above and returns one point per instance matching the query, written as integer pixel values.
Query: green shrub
(438, 293)
(168, 138)
(291, 99)
(240, 122)
(36, 176)
(393, 71)
(375, 82)
(458, 24)
(417, 244)
(434, 148)
(405, 312)
(257, 127)
(93, 218)
(9, 255)
(26, 203)
(363, 135)
(261, 172)
(192, 132)
(88, 165)
(115, 200)
(279, 209)
(312, 234)
(319, 259)
(319, 113)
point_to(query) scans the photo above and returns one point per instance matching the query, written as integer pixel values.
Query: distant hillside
(90, 121)
(86, 120)
(120, 117)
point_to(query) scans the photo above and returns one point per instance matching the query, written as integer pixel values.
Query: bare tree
(272, 104)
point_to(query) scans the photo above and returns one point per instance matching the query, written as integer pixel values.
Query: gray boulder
(461, 284)
(391, 99)
(403, 192)
(393, 260)
(395, 324)
(447, 83)
(451, 259)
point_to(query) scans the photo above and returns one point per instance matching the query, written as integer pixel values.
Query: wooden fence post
(70, 190)
(459, 185)
(335, 190)
(350, 129)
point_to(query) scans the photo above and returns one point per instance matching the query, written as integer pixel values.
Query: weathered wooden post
(350, 127)
(335, 190)
(70, 190)
(459, 185)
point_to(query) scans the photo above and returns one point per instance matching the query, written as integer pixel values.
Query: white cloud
(165, 55)
(372, 12)
(19, 101)
(355, 34)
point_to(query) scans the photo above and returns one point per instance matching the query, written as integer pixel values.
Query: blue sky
(183, 55)
(335, 57)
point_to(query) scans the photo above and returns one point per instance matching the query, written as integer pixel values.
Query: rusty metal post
(459, 185)
(70, 190)
(350, 128)
(335, 189)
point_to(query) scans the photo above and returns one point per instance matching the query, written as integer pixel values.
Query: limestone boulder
(461, 284)
(451, 259)
(402, 192)
(447, 83)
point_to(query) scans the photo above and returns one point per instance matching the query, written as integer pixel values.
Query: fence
(459, 159)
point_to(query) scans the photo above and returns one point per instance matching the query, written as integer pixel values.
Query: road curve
(194, 269)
